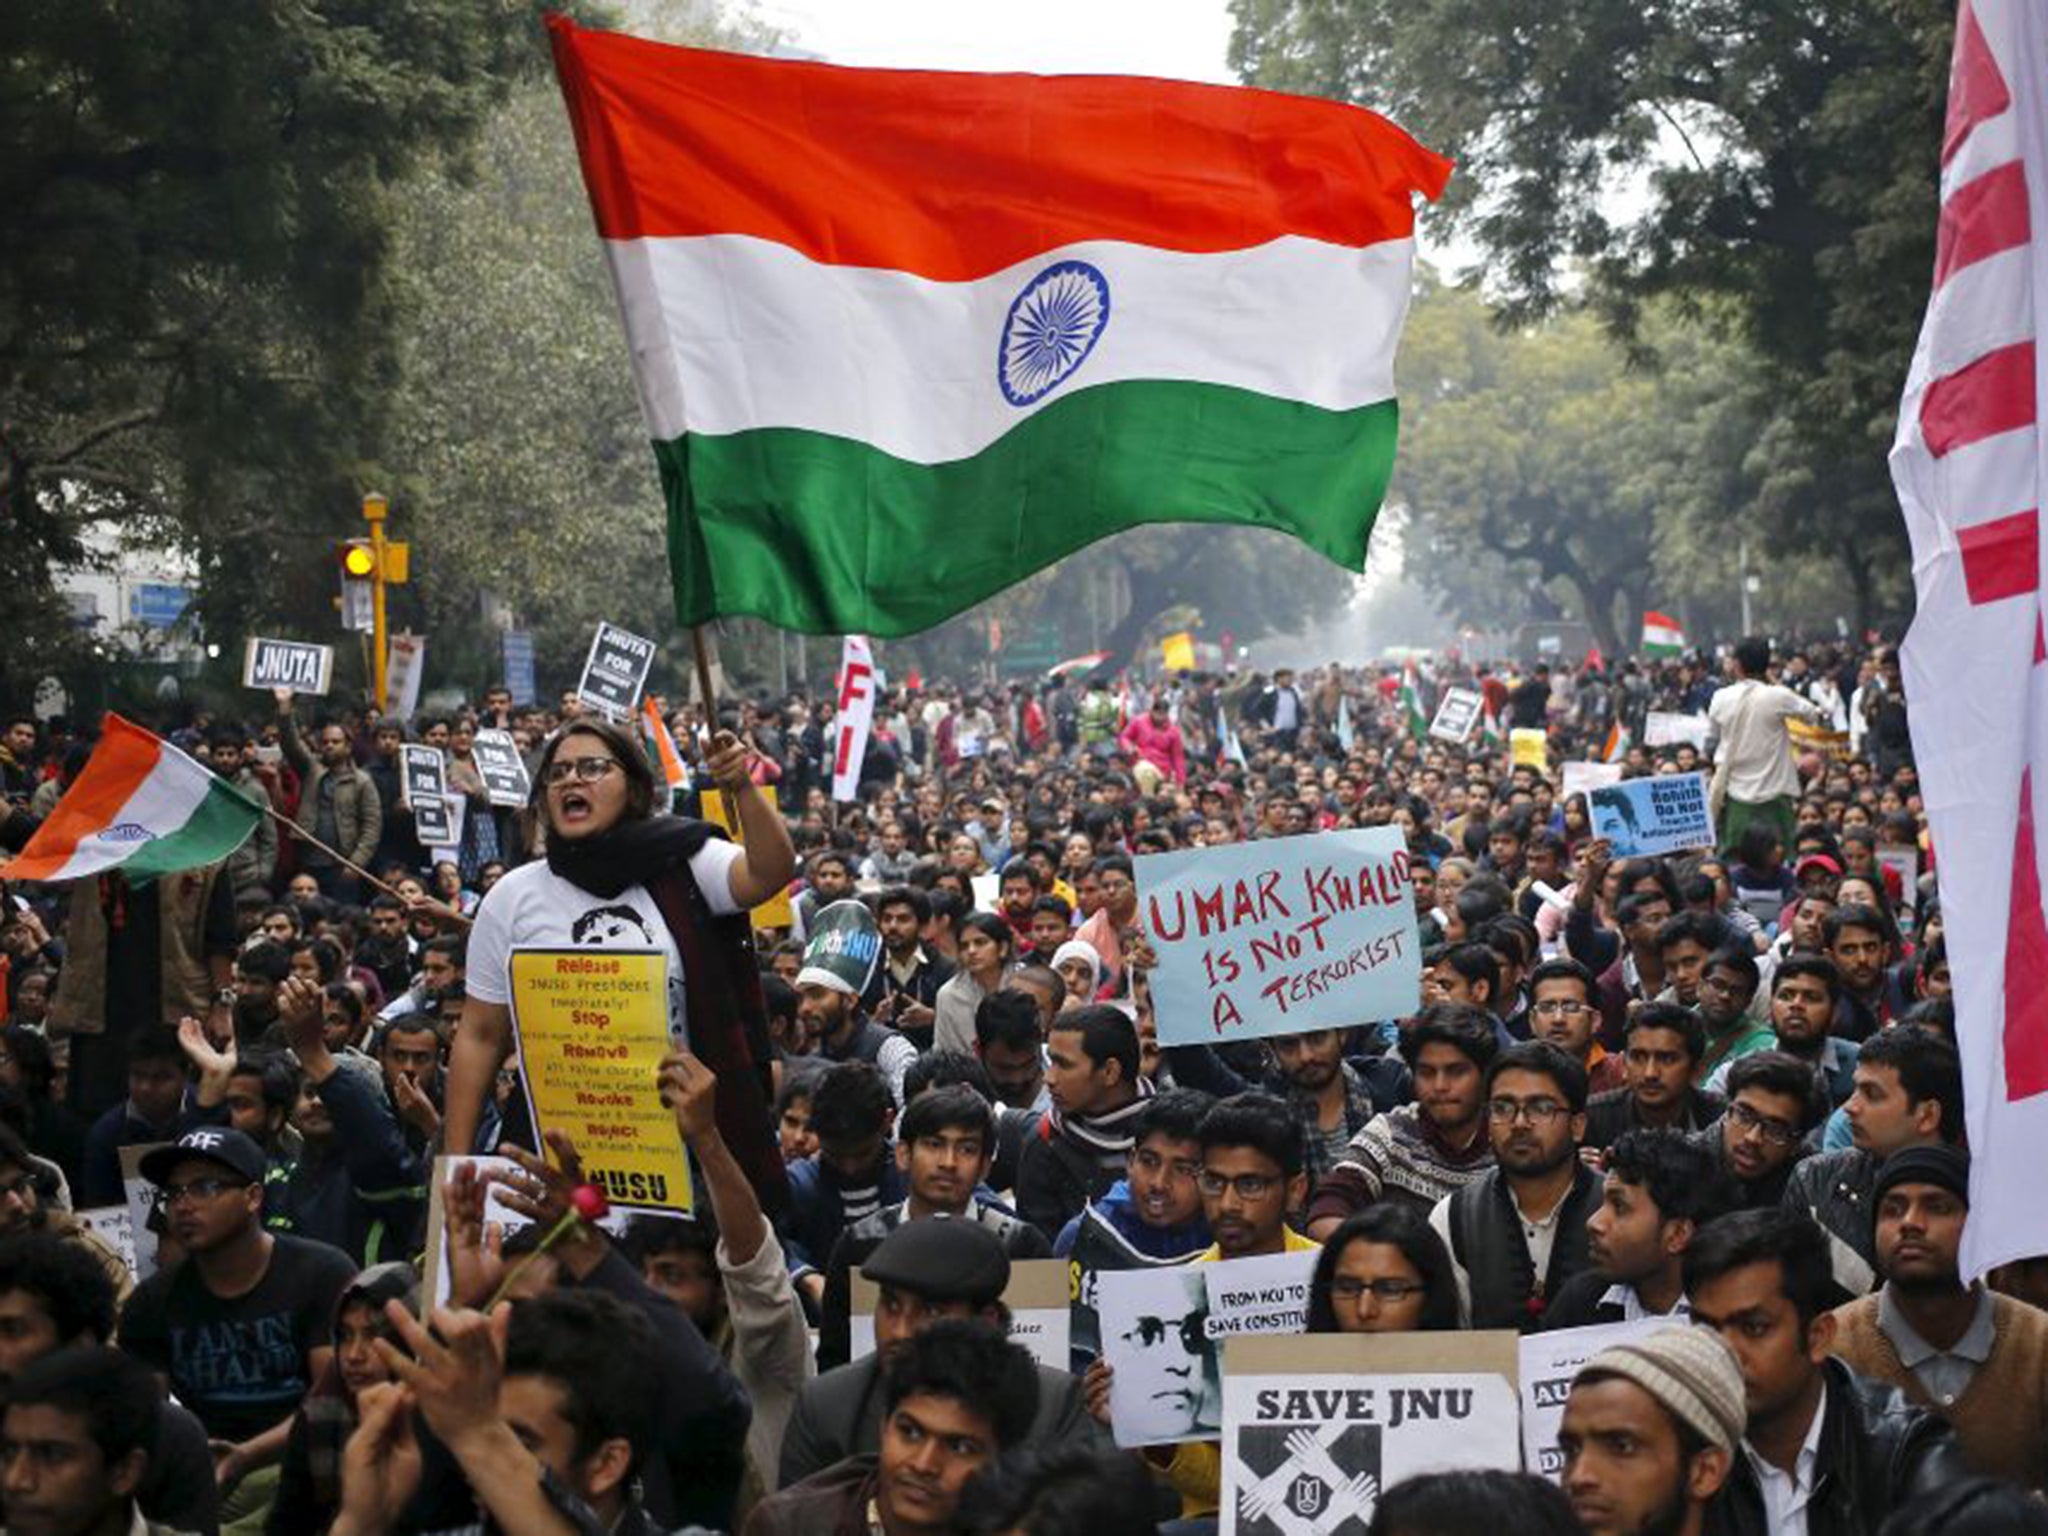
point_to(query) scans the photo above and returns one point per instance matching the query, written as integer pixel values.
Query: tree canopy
(1785, 156)
(194, 325)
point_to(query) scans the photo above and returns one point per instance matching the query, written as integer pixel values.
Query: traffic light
(358, 563)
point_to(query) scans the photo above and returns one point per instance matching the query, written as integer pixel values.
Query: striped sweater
(1398, 1155)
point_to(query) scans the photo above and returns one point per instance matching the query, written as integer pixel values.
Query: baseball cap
(216, 1144)
(1816, 861)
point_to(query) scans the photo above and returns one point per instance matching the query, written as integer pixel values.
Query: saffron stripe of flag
(674, 772)
(140, 806)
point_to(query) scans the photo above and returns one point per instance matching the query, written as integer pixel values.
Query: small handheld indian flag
(674, 771)
(141, 806)
(1661, 635)
(1233, 749)
(1410, 699)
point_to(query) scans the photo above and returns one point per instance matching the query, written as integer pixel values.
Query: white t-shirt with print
(532, 907)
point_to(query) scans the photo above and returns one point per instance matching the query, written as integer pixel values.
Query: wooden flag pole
(340, 858)
(703, 654)
(704, 688)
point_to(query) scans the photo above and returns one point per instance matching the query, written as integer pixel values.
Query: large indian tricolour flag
(140, 806)
(902, 338)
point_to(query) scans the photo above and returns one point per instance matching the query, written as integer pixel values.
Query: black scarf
(629, 853)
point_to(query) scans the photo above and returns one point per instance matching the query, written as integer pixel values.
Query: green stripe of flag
(218, 825)
(833, 536)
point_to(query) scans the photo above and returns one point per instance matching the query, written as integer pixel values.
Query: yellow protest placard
(1178, 652)
(591, 1027)
(1814, 738)
(1529, 748)
(775, 912)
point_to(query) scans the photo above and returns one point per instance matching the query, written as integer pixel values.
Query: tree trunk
(1864, 583)
(1597, 599)
(1152, 593)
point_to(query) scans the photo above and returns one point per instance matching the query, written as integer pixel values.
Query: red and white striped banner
(1967, 463)
(856, 714)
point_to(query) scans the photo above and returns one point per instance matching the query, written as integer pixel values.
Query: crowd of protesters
(1718, 1088)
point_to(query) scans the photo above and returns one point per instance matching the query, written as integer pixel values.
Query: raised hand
(476, 1257)
(211, 1061)
(728, 760)
(690, 1089)
(301, 1004)
(452, 1371)
(414, 1107)
(380, 1465)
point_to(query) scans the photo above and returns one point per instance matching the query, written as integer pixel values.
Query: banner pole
(704, 688)
(345, 861)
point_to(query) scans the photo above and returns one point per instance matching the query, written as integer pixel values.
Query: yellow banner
(1178, 652)
(1529, 748)
(1813, 738)
(591, 1027)
(775, 912)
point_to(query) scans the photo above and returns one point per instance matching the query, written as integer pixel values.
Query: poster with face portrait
(1168, 1382)
(1316, 1429)
(1098, 1247)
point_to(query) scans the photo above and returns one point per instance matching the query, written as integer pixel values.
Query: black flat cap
(942, 1258)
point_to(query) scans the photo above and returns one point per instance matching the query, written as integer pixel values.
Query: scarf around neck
(628, 854)
(1108, 1136)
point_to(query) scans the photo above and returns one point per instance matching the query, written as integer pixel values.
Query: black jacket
(1835, 1189)
(1609, 1114)
(1020, 1240)
(1487, 1242)
(1577, 1303)
(1056, 1177)
(1877, 1451)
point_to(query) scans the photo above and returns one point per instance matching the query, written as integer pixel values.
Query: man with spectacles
(1252, 1176)
(242, 1328)
(1563, 1010)
(1773, 1102)
(1518, 1232)
(1727, 988)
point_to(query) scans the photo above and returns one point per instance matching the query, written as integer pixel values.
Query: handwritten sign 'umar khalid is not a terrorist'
(1280, 936)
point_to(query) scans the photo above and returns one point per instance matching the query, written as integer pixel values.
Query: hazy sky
(1179, 39)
